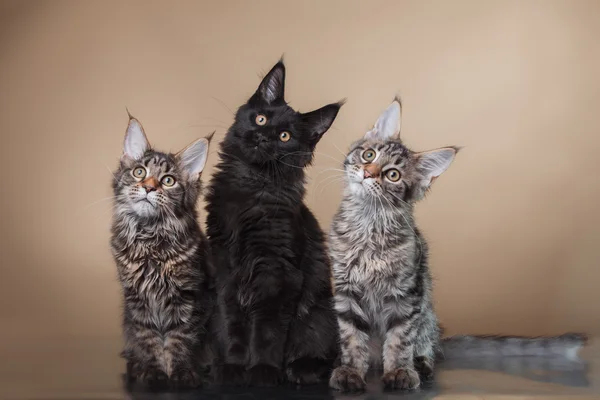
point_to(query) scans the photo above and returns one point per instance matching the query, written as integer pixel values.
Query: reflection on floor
(74, 368)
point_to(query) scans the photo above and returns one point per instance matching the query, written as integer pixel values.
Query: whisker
(334, 145)
(223, 104)
(99, 201)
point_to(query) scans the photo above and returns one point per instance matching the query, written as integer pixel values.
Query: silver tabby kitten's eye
(261, 120)
(368, 155)
(168, 180)
(285, 136)
(139, 172)
(393, 175)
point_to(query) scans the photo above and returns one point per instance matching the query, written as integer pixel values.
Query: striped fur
(163, 263)
(383, 287)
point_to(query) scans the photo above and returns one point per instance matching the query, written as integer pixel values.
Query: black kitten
(273, 273)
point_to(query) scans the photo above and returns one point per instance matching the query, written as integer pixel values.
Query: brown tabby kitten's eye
(139, 173)
(168, 180)
(261, 120)
(285, 136)
(368, 155)
(393, 175)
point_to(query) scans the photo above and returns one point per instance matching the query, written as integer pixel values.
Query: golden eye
(393, 175)
(139, 172)
(368, 155)
(261, 120)
(285, 136)
(168, 180)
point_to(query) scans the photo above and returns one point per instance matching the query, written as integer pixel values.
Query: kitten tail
(566, 345)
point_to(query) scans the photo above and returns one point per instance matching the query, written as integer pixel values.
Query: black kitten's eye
(260, 120)
(393, 175)
(168, 180)
(139, 172)
(285, 136)
(368, 155)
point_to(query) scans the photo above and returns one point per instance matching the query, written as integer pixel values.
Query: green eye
(139, 172)
(393, 175)
(368, 155)
(168, 180)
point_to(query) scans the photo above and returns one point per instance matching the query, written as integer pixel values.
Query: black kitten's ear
(318, 122)
(272, 87)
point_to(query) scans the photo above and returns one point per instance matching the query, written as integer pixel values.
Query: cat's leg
(230, 368)
(144, 351)
(425, 344)
(398, 351)
(312, 344)
(270, 320)
(354, 341)
(180, 363)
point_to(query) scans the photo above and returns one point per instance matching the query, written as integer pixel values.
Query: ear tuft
(272, 87)
(136, 143)
(388, 124)
(432, 164)
(193, 157)
(319, 121)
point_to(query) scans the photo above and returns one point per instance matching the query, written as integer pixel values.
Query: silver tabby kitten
(163, 261)
(383, 289)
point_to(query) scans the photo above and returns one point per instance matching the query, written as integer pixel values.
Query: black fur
(275, 318)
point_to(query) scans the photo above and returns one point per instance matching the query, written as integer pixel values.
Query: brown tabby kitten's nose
(372, 170)
(150, 184)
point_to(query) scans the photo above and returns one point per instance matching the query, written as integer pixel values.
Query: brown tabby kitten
(383, 286)
(163, 261)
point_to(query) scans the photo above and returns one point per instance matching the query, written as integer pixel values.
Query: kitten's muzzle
(150, 184)
(371, 171)
(260, 138)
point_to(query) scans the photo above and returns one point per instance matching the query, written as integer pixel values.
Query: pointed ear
(272, 87)
(432, 164)
(136, 143)
(388, 124)
(193, 158)
(319, 121)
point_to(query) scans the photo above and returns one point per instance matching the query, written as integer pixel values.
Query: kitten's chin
(356, 189)
(144, 209)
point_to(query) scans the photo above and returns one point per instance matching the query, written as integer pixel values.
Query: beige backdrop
(513, 225)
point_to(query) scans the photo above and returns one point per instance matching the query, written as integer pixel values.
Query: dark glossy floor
(74, 368)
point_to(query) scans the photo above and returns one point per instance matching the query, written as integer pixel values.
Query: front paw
(307, 371)
(264, 375)
(425, 369)
(347, 379)
(185, 379)
(230, 374)
(154, 377)
(401, 379)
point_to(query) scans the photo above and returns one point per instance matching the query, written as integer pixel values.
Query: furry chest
(157, 298)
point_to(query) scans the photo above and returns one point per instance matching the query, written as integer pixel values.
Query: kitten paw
(264, 375)
(425, 369)
(307, 371)
(154, 377)
(185, 379)
(230, 374)
(347, 379)
(401, 379)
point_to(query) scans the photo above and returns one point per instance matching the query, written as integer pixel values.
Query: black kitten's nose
(260, 138)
